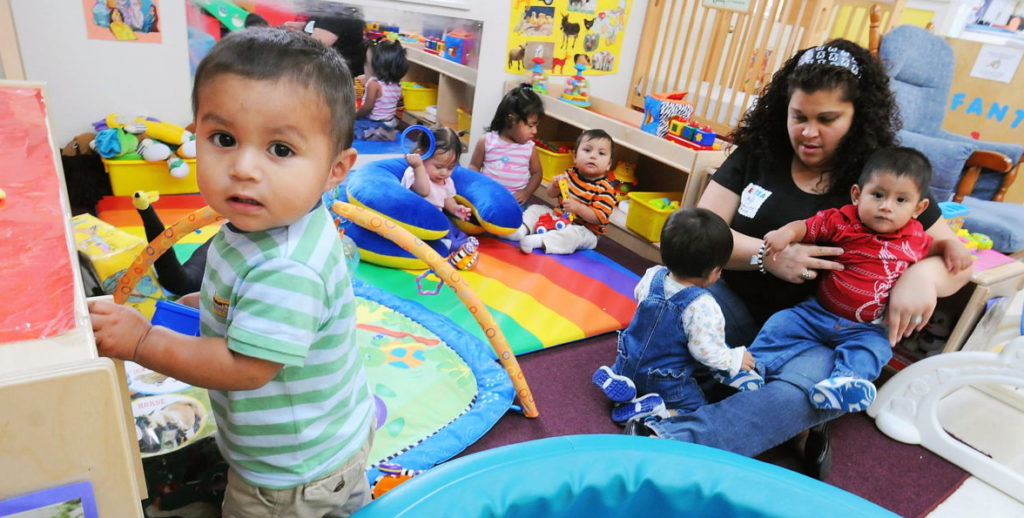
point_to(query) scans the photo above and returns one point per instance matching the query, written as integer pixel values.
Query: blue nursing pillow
(377, 187)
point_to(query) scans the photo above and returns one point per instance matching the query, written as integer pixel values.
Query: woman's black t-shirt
(768, 200)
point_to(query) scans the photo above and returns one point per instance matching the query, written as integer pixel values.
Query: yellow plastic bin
(552, 163)
(465, 120)
(128, 176)
(646, 219)
(417, 96)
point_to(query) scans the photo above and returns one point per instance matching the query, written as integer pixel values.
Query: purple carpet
(907, 480)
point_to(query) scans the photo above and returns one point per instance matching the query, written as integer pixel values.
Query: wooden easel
(64, 414)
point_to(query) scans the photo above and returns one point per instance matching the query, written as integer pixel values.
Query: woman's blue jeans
(751, 422)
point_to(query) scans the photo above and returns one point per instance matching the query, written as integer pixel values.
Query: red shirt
(873, 262)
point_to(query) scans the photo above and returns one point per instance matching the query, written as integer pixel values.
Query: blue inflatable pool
(615, 475)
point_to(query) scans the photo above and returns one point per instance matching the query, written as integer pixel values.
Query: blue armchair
(973, 172)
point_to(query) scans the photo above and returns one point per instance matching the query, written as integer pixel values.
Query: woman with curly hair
(799, 150)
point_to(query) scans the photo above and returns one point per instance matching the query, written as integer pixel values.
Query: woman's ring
(916, 320)
(806, 274)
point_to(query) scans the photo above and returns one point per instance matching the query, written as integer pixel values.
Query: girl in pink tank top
(506, 152)
(385, 66)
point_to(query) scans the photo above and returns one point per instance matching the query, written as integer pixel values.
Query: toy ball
(351, 251)
(659, 203)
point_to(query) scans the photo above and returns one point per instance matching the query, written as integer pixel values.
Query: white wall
(86, 79)
(89, 78)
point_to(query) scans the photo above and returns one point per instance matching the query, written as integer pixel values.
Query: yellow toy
(563, 184)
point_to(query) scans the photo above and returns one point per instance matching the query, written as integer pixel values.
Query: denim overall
(653, 350)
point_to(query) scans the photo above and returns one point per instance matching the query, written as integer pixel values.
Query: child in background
(591, 200)
(678, 326)
(385, 66)
(506, 153)
(881, 238)
(277, 351)
(431, 178)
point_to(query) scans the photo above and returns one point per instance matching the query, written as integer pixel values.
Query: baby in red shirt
(880, 238)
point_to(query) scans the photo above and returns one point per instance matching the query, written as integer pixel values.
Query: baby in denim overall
(678, 327)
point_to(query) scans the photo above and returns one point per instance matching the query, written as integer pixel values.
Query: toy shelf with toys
(657, 165)
(455, 87)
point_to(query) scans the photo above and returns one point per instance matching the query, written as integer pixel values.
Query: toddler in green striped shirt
(273, 111)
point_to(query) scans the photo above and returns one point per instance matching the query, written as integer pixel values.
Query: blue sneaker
(743, 380)
(843, 393)
(617, 387)
(643, 406)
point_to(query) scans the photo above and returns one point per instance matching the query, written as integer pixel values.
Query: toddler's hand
(748, 363)
(191, 300)
(415, 160)
(776, 240)
(119, 330)
(572, 205)
(521, 196)
(957, 258)
(463, 212)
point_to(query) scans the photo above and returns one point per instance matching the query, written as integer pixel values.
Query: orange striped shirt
(597, 194)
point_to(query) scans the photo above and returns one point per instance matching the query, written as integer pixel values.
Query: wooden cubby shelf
(661, 165)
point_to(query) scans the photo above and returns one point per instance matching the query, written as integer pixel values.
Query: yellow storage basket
(645, 219)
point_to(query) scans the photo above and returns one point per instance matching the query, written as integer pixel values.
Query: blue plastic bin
(181, 318)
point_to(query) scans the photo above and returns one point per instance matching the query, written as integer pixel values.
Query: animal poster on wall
(565, 32)
(123, 20)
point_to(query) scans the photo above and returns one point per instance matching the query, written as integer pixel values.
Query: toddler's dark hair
(255, 20)
(694, 242)
(595, 134)
(519, 104)
(388, 61)
(446, 140)
(900, 161)
(271, 54)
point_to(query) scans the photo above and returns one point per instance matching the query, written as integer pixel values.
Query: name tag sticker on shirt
(752, 198)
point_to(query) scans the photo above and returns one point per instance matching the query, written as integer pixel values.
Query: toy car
(548, 222)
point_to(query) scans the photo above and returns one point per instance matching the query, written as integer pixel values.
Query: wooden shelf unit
(661, 165)
(456, 87)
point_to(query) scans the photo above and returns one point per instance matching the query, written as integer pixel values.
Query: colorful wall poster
(563, 32)
(122, 20)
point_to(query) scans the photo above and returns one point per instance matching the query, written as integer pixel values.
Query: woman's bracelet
(760, 257)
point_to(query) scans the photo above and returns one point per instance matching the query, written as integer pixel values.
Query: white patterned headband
(830, 56)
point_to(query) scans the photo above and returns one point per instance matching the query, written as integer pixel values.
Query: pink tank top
(386, 105)
(507, 162)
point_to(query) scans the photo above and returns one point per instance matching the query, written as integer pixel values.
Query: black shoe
(818, 452)
(639, 428)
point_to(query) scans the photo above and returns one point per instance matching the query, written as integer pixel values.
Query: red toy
(548, 222)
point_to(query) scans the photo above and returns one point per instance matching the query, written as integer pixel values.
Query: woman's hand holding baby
(798, 262)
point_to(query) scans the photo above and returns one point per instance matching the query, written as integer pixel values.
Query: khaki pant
(565, 241)
(337, 495)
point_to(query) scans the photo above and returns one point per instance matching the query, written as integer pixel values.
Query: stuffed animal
(153, 142)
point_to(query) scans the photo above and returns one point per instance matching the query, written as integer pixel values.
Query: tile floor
(995, 427)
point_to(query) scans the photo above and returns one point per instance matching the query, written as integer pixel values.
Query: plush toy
(116, 143)
(930, 340)
(122, 142)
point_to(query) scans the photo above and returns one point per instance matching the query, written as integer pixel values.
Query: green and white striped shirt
(284, 295)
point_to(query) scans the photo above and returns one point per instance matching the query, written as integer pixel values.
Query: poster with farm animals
(560, 33)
